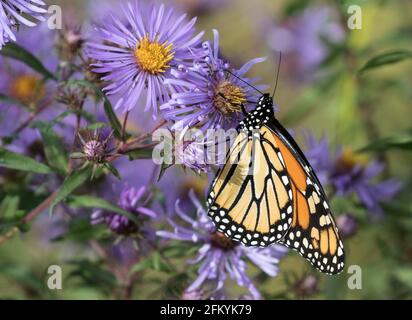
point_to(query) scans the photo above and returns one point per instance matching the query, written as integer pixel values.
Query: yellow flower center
(152, 56)
(27, 88)
(350, 159)
(228, 98)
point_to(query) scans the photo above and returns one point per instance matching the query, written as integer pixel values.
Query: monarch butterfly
(267, 193)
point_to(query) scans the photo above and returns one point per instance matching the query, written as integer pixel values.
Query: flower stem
(124, 149)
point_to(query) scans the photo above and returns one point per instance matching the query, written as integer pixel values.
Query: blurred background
(351, 87)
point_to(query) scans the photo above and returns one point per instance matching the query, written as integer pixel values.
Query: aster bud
(94, 151)
(306, 286)
(70, 42)
(347, 225)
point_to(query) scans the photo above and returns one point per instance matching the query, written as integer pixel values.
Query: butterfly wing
(250, 199)
(313, 232)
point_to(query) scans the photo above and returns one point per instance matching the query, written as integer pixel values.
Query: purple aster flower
(306, 287)
(348, 173)
(210, 97)
(136, 202)
(192, 155)
(15, 12)
(347, 225)
(304, 37)
(203, 6)
(138, 51)
(218, 255)
(26, 89)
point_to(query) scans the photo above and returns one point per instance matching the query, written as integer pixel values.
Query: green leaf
(386, 58)
(144, 153)
(17, 161)
(70, 184)
(163, 170)
(98, 203)
(93, 275)
(154, 262)
(14, 51)
(9, 206)
(82, 230)
(112, 117)
(113, 170)
(85, 85)
(96, 126)
(404, 275)
(54, 149)
(295, 7)
(399, 141)
(25, 277)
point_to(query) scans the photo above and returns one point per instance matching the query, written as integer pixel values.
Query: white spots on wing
(285, 180)
(305, 242)
(281, 158)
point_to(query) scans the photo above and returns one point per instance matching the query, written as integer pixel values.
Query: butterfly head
(265, 101)
(261, 115)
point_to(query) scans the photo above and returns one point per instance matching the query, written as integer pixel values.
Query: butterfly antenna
(277, 74)
(228, 71)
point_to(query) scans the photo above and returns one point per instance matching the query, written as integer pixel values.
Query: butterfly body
(268, 193)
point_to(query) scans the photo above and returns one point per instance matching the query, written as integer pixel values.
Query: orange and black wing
(313, 232)
(250, 199)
